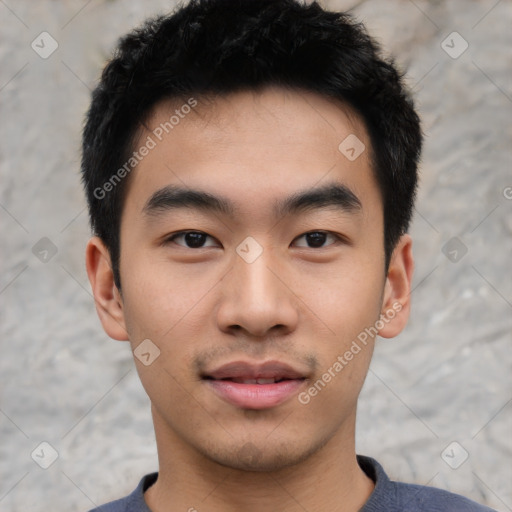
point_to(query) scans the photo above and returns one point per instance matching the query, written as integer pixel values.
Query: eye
(316, 239)
(190, 239)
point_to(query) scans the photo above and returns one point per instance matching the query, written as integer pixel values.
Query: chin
(261, 457)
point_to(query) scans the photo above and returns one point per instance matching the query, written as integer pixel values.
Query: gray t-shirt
(388, 496)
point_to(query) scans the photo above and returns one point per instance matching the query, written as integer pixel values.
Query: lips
(255, 386)
(244, 370)
(242, 380)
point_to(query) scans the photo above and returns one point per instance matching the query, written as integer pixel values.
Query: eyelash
(173, 237)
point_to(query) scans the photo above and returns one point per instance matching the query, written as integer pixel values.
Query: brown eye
(316, 239)
(191, 239)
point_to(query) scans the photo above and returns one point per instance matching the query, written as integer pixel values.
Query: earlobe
(397, 292)
(106, 295)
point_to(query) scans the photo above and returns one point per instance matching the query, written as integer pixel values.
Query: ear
(396, 303)
(107, 297)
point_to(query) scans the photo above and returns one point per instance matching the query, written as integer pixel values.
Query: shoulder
(120, 505)
(391, 496)
(421, 497)
(134, 502)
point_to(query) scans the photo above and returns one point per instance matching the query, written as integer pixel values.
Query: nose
(257, 298)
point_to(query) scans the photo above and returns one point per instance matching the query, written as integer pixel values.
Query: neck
(328, 480)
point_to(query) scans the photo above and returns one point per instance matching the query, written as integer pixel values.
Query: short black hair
(217, 47)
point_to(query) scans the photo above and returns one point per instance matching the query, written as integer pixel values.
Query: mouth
(255, 386)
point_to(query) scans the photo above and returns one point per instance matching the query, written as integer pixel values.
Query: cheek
(346, 300)
(348, 303)
(157, 295)
(146, 302)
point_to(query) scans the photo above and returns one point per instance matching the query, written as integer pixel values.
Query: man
(251, 168)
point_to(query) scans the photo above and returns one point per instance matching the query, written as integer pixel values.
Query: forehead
(297, 115)
(252, 145)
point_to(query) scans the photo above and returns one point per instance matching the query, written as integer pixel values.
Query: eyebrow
(332, 195)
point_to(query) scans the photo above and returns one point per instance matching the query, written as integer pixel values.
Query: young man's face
(225, 309)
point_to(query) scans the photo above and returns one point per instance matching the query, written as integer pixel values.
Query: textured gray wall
(446, 379)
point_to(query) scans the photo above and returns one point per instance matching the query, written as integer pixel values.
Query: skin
(296, 303)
